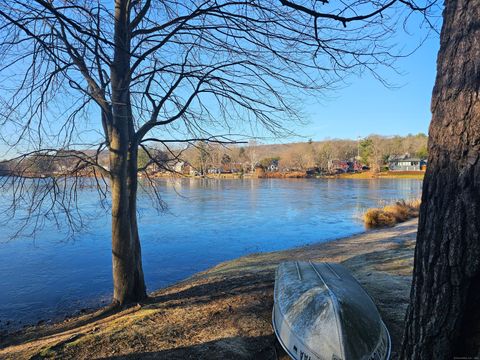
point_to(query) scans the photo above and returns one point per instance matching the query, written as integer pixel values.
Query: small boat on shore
(322, 313)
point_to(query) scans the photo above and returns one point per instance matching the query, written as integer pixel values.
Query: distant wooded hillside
(206, 157)
(372, 151)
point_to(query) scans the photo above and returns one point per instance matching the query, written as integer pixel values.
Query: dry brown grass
(392, 214)
(285, 175)
(224, 312)
(383, 175)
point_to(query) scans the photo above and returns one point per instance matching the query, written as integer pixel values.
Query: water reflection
(211, 221)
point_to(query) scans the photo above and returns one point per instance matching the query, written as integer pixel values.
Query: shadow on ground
(225, 312)
(262, 347)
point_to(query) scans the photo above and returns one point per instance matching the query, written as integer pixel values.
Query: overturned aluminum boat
(322, 313)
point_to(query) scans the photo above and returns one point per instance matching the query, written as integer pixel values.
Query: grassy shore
(384, 175)
(225, 312)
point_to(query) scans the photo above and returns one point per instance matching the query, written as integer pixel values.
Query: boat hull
(321, 312)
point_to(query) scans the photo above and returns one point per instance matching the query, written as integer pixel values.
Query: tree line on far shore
(372, 151)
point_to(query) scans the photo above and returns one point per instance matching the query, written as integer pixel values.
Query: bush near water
(392, 214)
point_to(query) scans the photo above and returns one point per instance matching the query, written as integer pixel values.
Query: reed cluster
(392, 214)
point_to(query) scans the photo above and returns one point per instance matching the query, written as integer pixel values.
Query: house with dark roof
(406, 163)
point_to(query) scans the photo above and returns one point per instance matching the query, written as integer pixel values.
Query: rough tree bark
(128, 280)
(443, 319)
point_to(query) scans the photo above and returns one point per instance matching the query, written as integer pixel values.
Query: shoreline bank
(225, 312)
(366, 175)
(273, 175)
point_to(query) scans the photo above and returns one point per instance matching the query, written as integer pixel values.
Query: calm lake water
(207, 222)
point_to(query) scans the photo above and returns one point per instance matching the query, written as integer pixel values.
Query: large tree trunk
(443, 319)
(128, 281)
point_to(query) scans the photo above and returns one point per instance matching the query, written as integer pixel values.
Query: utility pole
(358, 147)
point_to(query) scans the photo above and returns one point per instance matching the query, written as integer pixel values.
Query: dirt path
(225, 312)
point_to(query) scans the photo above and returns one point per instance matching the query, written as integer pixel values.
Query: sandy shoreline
(225, 312)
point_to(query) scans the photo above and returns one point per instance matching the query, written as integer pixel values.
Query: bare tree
(202, 157)
(87, 78)
(325, 153)
(252, 154)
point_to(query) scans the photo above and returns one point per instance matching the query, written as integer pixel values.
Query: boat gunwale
(277, 335)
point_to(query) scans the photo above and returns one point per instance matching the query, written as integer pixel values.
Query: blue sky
(366, 106)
